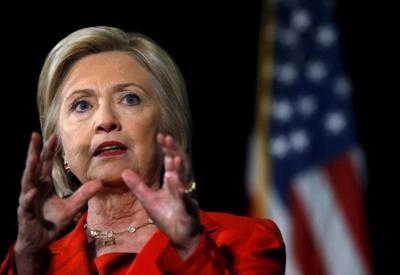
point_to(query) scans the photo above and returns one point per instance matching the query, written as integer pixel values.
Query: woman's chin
(110, 170)
(108, 176)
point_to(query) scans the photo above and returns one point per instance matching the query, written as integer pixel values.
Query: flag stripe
(343, 181)
(328, 225)
(305, 250)
(279, 213)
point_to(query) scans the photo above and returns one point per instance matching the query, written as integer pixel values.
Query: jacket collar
(209, 224)
(77, 240)
(72, 241)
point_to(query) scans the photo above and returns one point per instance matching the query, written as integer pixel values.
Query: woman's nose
(106, 120)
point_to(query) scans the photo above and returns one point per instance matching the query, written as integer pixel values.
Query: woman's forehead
(108, 67)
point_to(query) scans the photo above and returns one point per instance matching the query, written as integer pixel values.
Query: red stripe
(343, 181)
(305, 251)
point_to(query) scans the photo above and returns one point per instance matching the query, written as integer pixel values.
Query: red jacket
(229, 245)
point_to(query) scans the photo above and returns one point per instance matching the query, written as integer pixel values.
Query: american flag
(305, 117)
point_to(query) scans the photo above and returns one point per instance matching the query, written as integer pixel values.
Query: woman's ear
(66, 166)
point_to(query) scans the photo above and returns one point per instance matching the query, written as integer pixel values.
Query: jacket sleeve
(260, 252)
(8, 264)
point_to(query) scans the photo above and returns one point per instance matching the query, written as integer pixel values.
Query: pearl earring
(66, 166)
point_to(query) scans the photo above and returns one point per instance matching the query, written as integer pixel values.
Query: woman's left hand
(173, 210)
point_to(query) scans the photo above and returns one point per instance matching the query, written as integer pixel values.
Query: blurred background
(216, 45)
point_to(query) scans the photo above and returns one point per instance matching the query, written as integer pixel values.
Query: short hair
(167, 80)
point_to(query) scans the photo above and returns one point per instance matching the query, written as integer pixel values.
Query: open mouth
(110, 148)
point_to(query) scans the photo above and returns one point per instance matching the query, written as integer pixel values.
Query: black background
(215, 45)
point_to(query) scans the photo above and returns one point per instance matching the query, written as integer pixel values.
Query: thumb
(83, 194)
(135, 183)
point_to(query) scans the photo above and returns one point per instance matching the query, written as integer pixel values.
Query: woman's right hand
(42, 215)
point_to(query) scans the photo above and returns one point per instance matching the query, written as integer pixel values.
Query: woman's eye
(80, 106)
(131, 99)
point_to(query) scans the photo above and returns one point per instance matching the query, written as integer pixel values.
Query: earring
(66, 166)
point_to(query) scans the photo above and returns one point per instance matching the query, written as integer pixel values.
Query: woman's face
(109, 118)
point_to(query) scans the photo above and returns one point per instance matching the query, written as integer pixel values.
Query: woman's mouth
(110, 148)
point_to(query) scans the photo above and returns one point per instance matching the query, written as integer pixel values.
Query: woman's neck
(115, 209)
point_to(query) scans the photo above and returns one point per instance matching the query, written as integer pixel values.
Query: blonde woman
(116, 129)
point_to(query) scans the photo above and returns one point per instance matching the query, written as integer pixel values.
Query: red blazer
(229, 245)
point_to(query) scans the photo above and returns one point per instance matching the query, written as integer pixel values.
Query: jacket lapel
(146, 260)
(69, 254)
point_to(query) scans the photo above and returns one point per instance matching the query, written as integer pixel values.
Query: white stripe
(279, 214)
(327, 225)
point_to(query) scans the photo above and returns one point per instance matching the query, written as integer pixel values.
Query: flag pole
(259, 164)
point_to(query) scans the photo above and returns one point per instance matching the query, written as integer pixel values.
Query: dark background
(215, 45)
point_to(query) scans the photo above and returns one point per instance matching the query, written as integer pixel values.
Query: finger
(26, 201)
(138, 187)
(173, 184)
(34, 145)
(43, 178)
(47, 158)
(180, 165)
(164, 139)
(175, 187)
(168, 144)
(81, 196)
(31, 163)
(177, 161)
(180, 161)
(171, 149)
(174, 148)
(169, 163)
(183, 169)
(160, 138)
(28, 175)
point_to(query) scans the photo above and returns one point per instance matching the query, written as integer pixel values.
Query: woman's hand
(173, 211)
(42, 216)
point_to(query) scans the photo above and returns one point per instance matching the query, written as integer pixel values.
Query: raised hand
(173, 210)
(42, 216)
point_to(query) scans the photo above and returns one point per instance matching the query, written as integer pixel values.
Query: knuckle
(20, 211)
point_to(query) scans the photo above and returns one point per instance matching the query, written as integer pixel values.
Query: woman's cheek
(77, 151)
(78, 162)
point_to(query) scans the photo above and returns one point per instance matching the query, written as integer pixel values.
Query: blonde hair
(168, 83)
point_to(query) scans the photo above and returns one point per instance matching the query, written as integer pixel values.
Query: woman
(114, 115)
